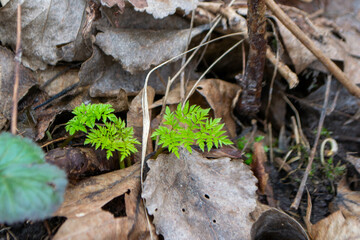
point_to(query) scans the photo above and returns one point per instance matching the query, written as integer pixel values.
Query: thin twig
(17, 72)
(309, 44)
(54, 141)
(299, 194)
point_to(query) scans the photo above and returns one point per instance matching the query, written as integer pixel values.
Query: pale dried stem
(17, 72)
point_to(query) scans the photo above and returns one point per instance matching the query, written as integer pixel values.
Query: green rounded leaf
(29, 187)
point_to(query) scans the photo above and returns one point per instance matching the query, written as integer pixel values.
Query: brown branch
(17, 71)
(308, 43)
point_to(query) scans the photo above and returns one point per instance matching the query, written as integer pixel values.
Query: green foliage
(29, 187)
(332, 172)
(324, 132)
(111, 135)
(189, 126)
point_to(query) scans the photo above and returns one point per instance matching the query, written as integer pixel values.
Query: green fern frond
(190, 125)
(111, 134)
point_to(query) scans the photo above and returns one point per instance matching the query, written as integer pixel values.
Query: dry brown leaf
(50, 31)
(344, 223)
(300, 56)
(111, 3)
(135, 118)
(64, 80)
(336, 226)
(258, 166)
(174, 96)
(158, 8)
(120, 103)
(84, 202)
(197, 198)
(346, 200)
(138, 49)
(220, 94)
(163, 8)
(26, 82)
(107, 77)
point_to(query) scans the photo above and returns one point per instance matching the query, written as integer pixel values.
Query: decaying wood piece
(249, 101)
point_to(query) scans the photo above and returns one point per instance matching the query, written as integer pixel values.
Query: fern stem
(66, 142)
(122, 164)
(128, 162)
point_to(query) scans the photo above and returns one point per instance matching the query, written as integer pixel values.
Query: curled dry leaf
(197, 198)
(336, 226)
(258, 166)
(87, 211)
(50, 31)
(274, 224)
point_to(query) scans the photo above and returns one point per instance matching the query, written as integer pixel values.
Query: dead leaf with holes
(197, 198)
(105, 207)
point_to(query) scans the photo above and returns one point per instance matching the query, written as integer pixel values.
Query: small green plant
(188, 126)
(30, 188)
(324, 132)
(242, 142)
(110, 134)
(333, 171)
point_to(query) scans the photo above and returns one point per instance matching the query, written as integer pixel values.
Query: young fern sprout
(111, 135)
(188, 126)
